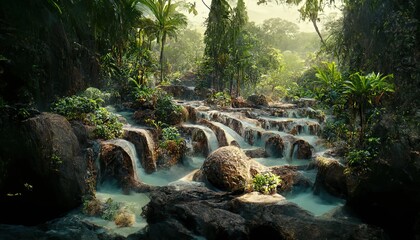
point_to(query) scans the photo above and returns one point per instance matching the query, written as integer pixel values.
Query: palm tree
(167, 20)
(363, 91)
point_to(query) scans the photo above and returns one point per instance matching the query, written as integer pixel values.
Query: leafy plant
(143, 93)
(89, 112)
(56, 161)
(364, 91)
(221, 99)
(166, 110)
(110, 209)
(75, 107)
(97, 95)
(266, 183)
(170, 134)
(107, 124)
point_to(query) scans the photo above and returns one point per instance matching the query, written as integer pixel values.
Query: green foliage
(167, 21)
(89, 112)
(167, 111)
(75, 107)
(97, 95)
(266, 183)
(110, 209)
(107, 124)
(221, 99)
(170, 134)
(143, 94)
(328, 86)
(359, 161)
(56, 161)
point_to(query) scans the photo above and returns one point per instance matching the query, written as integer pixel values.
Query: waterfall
(131, 151)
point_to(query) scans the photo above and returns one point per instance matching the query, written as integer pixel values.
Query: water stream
(316, 204)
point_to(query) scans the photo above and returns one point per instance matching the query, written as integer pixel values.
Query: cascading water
(212, 142)
(317, 204)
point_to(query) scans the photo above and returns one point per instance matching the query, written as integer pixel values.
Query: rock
(256, 153)
(306, 102)
(66, 228)
(228, 169)
(252, 135)
(192, 114)
(219, 215)
(204, 93)
(117, 164)
(273, 145)
(200, 144)
(290, 178)
(43, 168)
(180, 92)
(222, 137)
(304, 149)
(256, 197)
(239, 102)
(145, 147)
(257, 101)
(141, 116)
(172, 154)
(330, 177)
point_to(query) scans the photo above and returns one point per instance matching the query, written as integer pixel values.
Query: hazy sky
(258, 13)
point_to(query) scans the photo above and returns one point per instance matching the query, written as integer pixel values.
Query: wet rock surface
(117, 165)
(330, 177)
(201, 212)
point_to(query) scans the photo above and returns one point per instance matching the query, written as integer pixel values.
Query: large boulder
(197, 211)
(330, 177)
(228, 168)
(43, 168)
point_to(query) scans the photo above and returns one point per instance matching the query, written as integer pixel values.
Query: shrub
(170, 134)
(89, 112)
(97, 95)
(221, 99)
(75, 107)
(167, 111)
(107, 124)
(266, 183)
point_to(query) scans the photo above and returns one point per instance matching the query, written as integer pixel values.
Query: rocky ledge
(199, 212)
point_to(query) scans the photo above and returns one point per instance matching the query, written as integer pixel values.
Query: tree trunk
(317, 31)
(161, 56)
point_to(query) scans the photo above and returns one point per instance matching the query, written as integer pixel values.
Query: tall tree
(168, 21)
(216, 52)
(240, 44)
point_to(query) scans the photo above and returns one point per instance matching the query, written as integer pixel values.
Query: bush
(89, 112)
(221, 99)
(170, 134)
(266, 183)
(107, 124)
(75, 107)
(97, 95)
(167, 111)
